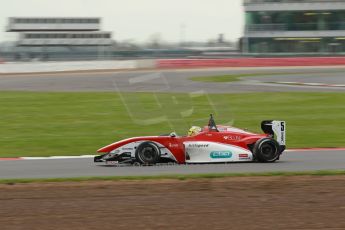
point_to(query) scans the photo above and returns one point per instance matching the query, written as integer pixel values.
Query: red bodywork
(238, 138)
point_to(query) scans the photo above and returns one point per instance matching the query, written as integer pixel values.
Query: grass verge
(46, 124)
(175, 177)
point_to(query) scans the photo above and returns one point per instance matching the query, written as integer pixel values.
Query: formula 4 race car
(212, 144)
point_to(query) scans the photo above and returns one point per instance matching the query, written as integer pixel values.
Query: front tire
(147, 153)
(266, 150)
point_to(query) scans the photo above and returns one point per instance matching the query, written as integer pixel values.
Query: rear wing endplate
(277, 129)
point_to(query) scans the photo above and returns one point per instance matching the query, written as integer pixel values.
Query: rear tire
(147, 153)
(266, 150)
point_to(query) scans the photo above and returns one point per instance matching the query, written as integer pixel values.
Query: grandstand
(291, 26)
(53, 24)
(65, 38)
(69, 32)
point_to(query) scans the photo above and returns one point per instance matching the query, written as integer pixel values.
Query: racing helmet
(194, 130)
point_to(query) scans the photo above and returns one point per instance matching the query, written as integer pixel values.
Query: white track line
(58, 157)
(308, 84)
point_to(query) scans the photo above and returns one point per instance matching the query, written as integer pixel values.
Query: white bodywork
(131, 147)
(211, 152)
(233, 129)
(198, 152)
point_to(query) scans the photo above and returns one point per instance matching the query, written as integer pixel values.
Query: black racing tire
(147, 153)
(266, 150)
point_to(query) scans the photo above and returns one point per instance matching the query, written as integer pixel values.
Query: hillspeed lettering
(198, 145)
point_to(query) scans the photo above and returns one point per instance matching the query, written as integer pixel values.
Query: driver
(194, 130)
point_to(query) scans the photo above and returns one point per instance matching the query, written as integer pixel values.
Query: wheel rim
(147, 154)
(268, 150)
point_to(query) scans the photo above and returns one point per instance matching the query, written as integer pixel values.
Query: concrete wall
(33, 67)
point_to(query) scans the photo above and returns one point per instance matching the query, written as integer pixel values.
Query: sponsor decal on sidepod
(220, 154)
(243, 156)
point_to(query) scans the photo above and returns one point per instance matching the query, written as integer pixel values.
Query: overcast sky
(139, 19)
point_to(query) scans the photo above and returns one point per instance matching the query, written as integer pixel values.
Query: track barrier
(251, 62)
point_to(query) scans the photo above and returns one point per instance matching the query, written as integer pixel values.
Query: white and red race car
(214, 144)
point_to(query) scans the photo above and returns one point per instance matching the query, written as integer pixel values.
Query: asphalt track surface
(178, 80)
(174, 81)
(60, 168)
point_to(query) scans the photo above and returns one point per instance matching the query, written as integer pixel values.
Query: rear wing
(277, 129)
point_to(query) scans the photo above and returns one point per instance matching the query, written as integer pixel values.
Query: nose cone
(108, 148)
(114, 145)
